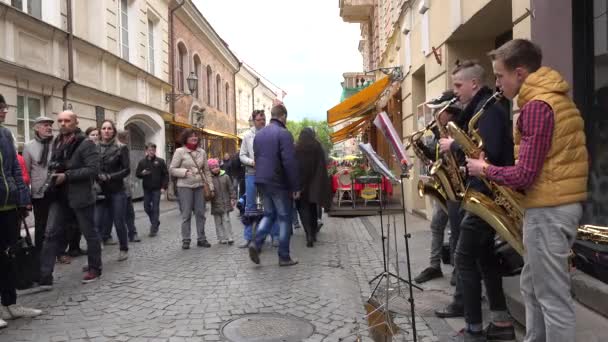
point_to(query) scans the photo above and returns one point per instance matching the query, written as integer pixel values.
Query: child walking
(223, 202)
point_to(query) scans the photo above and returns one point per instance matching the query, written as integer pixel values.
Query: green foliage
(321, 129)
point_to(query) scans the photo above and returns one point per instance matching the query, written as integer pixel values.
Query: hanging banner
(377, 163)
(384, 124)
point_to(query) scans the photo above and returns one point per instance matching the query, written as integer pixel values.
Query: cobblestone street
(163, 293)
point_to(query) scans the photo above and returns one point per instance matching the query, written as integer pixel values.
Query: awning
(349, 130)
(220, 134)
(358, 104)
(181, 124)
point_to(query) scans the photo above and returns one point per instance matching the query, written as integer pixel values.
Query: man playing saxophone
(475, 257)
(552, 170)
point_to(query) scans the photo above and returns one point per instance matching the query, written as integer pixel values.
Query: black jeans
(308, 215)
(455, 216)
(41, 214)
(9, 234)
(152, 208)
(59, 216)
(475, 260)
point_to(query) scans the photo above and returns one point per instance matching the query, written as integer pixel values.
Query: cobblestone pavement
(163, 293)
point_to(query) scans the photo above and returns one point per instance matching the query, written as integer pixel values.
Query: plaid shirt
(535, 123)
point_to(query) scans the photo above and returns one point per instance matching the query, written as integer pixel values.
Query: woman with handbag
(194, 185)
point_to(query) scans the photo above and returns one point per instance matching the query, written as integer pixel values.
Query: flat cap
(43, 119)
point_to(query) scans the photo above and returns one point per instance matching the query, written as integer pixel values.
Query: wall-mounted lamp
(192, 82)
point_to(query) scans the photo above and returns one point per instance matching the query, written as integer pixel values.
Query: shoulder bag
(209, 195)
(24, 260)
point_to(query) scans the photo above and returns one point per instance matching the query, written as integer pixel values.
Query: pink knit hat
(213, 163)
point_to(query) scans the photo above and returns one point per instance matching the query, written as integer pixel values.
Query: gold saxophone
(501, 210)
(433, 186)
(597, 234)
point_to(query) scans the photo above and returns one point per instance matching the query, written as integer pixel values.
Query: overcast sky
(302, 47)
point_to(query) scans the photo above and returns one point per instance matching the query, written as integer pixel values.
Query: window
(151, 51)
(209, 71)
(227, 98)
(218, 86)
(28, 109)
(124, 29)
(182, 55)
(197, 71)
(32, 7)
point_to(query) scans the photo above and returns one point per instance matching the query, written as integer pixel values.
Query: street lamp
(191, 81)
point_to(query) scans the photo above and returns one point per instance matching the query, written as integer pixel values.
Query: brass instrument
(501, 210)
(597, 234)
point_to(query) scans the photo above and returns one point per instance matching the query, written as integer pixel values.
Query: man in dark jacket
(153, 171)
(475, 249)
(75, 162)
(276, 177)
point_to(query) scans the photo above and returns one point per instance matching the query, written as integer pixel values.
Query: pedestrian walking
(276, 176)
(155, 179)
(114, 167)
(123, 138)
(12, 212)
(189, 166)
(223, 203)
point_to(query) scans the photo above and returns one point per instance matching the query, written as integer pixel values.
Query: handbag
(25, 260)
(207, 193)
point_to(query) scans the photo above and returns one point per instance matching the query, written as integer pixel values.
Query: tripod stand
(386, 274)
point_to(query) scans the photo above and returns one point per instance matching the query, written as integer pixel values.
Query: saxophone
(501, 210)
(432, 187)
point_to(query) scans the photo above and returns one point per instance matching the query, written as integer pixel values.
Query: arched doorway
(137, 148)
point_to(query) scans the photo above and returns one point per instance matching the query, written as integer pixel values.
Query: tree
(321, 129)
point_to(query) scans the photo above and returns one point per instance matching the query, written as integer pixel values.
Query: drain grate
(267, 328)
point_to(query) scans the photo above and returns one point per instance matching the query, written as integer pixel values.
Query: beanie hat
(213, 163)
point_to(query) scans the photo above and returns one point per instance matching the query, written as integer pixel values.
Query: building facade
(199, 50)
(53, 56)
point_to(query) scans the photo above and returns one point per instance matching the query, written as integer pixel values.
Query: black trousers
(475, 259)
(308, 214)
(9, 234)
(41, 214)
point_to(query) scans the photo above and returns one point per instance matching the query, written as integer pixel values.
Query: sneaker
(90, 276)
(428, 274)
(223, 242)
(3, 324)
(450, 311)
(254, 254)
(275, 243)
(230, 242)
(467, 336)
(288, 262)
(110, 242)
(135, 238)
(203, 243)
(17, 311)
(496, 333)
(245, 244)
(123, 255)
(185, 244)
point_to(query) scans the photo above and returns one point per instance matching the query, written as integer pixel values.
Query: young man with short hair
(153, 172)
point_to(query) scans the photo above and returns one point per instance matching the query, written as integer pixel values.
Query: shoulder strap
(198, 168)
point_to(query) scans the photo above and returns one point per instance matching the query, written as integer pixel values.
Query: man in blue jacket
(276, 176)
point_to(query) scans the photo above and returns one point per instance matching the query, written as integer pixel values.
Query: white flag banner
(377, 163)
(384, 124)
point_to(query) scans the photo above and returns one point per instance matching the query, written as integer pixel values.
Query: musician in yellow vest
(551, 170)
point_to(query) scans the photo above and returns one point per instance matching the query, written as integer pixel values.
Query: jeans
(59, 216)
(192, 200)
(475, 260)
(223, 227)
(277, 208)
(114, 210)
(130, 219)
(41, 214)
(308, 214)
(152, 208)
(103, 223)
(251, 192)
(545, 281)
(438, 224)
(8, 237)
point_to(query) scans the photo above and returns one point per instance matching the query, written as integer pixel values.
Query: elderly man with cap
(37, 153)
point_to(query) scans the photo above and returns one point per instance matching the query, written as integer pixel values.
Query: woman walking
(315, 184)
(114, 168)
(189, 166)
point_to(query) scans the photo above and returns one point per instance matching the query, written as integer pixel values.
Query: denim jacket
(13, 191)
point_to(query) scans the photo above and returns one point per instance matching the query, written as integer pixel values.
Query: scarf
(46, 144)
(65, 145)
(192, 147)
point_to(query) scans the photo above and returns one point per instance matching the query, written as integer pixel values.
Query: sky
(303, 47)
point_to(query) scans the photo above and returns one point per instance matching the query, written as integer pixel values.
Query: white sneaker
(123, 255)
(17, 311)
(3, 324)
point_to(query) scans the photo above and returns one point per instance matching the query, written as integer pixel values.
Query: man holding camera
(74, 165)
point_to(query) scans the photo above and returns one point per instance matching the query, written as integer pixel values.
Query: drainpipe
(253, 93)
(172, 52)
(70, 55)
(234, 98)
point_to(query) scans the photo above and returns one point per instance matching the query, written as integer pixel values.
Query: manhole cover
(267, 328)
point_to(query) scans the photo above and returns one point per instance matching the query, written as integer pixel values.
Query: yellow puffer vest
(563, 178)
